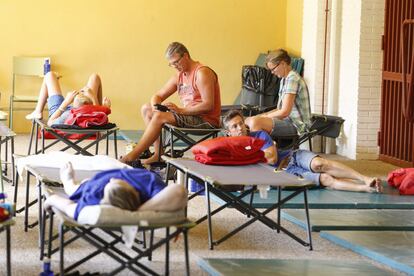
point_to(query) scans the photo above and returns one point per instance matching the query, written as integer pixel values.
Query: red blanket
(88, 115)
(241, 150)
(403, 180)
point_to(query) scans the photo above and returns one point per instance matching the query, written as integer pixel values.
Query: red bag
(403, 180)
(240, 150)
(396, 177)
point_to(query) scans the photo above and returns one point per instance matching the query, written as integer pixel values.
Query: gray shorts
(300, 165)
(190, 121)
(282, 128)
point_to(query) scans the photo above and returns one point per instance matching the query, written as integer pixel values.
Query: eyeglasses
(274, 68)
(175, 63)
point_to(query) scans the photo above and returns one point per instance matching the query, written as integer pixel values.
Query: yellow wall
(294, 16)
(124, 41)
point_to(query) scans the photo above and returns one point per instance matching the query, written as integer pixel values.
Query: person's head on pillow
(233, 122)
(121, 194)
(83, 97)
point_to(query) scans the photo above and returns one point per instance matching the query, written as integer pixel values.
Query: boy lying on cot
(59, 107)
(129, 189)
(304, 163)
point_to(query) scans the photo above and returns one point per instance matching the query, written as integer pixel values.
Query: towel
(240, 150)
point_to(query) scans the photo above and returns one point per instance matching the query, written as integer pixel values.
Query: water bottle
(46, 268)
(46, 66)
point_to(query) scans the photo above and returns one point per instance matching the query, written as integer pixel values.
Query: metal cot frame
(49, 177)
(62, 135)
(253, 177)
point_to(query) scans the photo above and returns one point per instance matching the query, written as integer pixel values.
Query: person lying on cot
(304, 163)
(129, 189)
(59, 106)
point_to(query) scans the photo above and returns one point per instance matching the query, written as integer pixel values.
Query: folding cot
(100, 226)
(62, 133)
(257, 176)
(55, 159)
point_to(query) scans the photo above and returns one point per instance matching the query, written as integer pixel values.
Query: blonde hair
(81, 100)
(278, 56)
(122, 195)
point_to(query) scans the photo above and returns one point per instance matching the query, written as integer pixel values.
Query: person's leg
(347, 184)
(151, 134)
(95, 85)
(342, 175)
(258, 122)
(50, 86)
(171, 198)
(67, 176)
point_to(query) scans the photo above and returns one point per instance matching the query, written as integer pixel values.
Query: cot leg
(43, 141)
(40, 205)
(49, 245)
(8, 249)
(61, 252)
(16, 184)
(167, 251)
(42, 226)
(36, 139)
(144, 240)
(151, 244)
(187, 258)
(31, 138)
(115, 145)
(251, 201)
(97, 145)
(210, 229)
(26, 205)
(167, 172)
(305, 196)
(279, 196)
(107, 143)
(12, 161)
(6, 156)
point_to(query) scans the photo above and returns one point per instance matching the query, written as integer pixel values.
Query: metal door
(396, 137)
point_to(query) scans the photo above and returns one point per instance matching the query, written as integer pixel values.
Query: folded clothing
(240, 150)
(403, 180)
(88, 115)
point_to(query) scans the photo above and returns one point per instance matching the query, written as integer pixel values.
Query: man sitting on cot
(304, 163)
(129, 189)
(59, 106)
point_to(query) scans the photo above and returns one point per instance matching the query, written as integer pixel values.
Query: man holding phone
(199, 92)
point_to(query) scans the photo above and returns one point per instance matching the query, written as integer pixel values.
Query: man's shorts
(283, 128)
(190, 121)
(300, 165)
(53, 103)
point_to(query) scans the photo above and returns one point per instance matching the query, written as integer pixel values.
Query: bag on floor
(403, 180)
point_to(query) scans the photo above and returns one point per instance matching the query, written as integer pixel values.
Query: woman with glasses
(292, 114)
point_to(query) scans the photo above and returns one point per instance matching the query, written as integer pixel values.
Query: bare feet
(373, 185)
(34, 115)
(67, 174)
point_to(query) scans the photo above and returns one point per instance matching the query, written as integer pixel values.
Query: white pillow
(107, 215)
